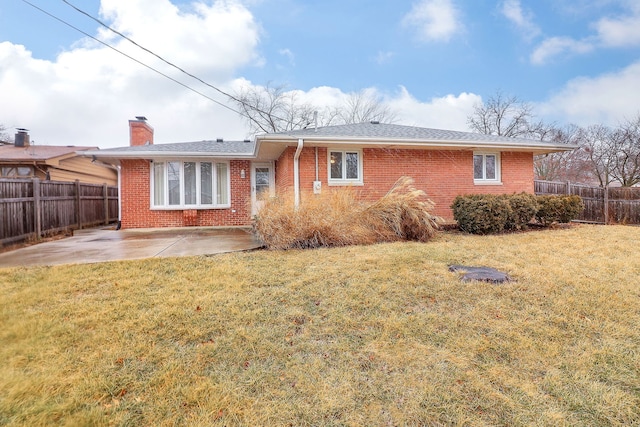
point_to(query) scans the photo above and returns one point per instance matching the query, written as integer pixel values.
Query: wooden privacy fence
(33, 208)
(622, 203)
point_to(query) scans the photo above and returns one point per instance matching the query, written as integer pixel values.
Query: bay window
(179, 184)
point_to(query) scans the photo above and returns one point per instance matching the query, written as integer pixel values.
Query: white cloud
(87, 94)
(606, 99)
(523, 20)
(556, 46)
(447, 112)
(384, 57)
(434, 20)
(619, 32)
(610, 32)
(287, 53)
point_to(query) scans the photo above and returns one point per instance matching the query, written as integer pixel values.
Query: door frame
(272, 183)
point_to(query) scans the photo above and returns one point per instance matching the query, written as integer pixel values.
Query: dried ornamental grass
(340, 218)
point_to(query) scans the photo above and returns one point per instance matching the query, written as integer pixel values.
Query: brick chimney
(140, 133)
(22, 138)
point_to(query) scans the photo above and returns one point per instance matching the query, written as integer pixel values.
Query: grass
(367, 335)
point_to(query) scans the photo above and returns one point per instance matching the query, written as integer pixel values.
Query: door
(262, 184)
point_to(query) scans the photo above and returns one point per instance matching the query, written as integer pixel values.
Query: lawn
(379, 335)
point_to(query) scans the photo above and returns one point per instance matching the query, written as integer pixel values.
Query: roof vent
(219, 140)
(247, 140)
(375, 122)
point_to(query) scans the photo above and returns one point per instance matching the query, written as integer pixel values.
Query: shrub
(339, 218)
(561, 209)
(481, 213)
(523, 209)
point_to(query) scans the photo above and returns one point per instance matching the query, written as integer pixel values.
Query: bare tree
(625, 143)
(597, 142)
(273, 109)
(363, 106)
(565, 165)
(505, 116)
(4, 135)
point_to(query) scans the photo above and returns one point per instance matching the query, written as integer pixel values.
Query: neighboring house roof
(38, 152)
(269, 146)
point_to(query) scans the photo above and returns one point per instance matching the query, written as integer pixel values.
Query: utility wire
(151, 52)
(138, 61)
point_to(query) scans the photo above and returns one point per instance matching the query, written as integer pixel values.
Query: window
(16, 171)
(486, 168)
(345, 167)
(178, 184)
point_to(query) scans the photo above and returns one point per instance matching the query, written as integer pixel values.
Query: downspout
(296, 173)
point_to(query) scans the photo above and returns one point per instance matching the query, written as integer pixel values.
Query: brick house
(218, 183)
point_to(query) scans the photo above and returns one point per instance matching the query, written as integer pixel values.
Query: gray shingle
(204, 147)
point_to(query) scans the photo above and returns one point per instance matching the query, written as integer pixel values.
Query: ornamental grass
(340, 217)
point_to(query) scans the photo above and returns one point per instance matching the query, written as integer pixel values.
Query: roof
(37, 152)
(269, 146)
(216, 148)
(375, 134)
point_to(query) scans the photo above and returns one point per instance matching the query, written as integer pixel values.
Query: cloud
(287, 53)
(434, 20)
(610, 32)
(619, 32)
(556, 46)
(384, 57)
(603, 99)
(86, 95)
(447, 112)
(512, 10)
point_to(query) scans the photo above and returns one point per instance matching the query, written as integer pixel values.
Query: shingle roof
(37, 152)
(210, 148)
(384, 131)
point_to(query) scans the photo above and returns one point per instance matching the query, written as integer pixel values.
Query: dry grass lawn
(379, 335)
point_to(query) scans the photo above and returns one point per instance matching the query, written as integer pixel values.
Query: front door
(262, 185)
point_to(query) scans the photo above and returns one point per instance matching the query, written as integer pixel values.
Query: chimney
(140, 133)
(22, 138)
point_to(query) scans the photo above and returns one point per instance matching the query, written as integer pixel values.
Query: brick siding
(443, 175)
(136, 201)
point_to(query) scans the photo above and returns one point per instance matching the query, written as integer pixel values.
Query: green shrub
(481, 213)
(523, 209)
(561, 209)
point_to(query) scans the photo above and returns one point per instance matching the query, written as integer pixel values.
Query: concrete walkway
(99, 245)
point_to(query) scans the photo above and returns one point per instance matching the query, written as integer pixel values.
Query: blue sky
(575, 61)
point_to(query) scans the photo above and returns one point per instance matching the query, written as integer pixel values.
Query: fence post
(78, 204)
(105, 192)
(606, 204)
(37, 208)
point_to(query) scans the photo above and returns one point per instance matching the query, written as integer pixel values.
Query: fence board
(622, 203)
(32, 208)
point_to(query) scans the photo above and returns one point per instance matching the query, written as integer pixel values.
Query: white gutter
(296, 173)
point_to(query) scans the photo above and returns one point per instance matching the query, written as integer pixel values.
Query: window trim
(484, 181)
(198, 205)
(345, 181)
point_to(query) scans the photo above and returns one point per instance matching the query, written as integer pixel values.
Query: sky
(431, 61)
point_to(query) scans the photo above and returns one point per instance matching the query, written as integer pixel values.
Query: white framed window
(344, 167)
(177, 184)
(486, 168)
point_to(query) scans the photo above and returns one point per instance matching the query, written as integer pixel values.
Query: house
(218, 182)
(48, 162)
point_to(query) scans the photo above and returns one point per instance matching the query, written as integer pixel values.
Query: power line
(136, 60)
(152, 53)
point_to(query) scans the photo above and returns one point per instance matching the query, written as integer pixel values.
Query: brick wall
(135, 196)
(441, 174)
